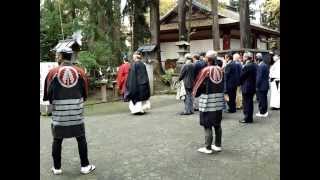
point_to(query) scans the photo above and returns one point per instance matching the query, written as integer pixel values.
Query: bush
(167, 77)
(88, 60)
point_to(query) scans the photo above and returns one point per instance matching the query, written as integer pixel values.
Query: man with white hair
(275, 83)
(236, 59)
(209, 87)
(232, 79)
(187, 75)
(248, 87)
(262, 86)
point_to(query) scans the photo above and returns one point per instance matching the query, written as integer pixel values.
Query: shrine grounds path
(163, 145)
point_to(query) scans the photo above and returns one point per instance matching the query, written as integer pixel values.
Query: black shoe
(196, 109)
(228, 111)
(275, 108)
(184, 113)
(139, 113)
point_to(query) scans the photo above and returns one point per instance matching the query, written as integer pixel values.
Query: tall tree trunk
(135, 26)
(182, 20)
(189, 22)
(116, 31)
(131, 20)
(279, 37)
(93, 19)
(139, 24)
(155, 34)
(245, 41)
(215, 25)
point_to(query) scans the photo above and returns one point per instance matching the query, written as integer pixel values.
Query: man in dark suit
(262, 86)
(199, 64)
(232, 79)
(236, 59)
(187, 75)
(248, 87)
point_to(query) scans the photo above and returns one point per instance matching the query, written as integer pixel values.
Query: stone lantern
(183, 49)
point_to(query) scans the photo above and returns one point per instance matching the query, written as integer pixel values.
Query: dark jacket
(187, 75)
(198, 66)
(239, 69)
(262, 77)
(218, 62)
(248, 78)
(232, 76)
(137, 87)
(212, 100)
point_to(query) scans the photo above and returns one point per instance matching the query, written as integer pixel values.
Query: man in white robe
(275, 83)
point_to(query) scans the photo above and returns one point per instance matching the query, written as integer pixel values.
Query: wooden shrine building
(201, 25)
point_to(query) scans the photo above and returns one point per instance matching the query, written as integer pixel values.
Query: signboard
(45, 67)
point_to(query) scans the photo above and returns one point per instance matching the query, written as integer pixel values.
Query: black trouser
(83, 151)
(209, 137)
(262, 97)
(232, 93)
(248, 106)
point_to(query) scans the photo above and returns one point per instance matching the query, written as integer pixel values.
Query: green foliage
(137, 10)
(99, 20)
(166, 5)
(167, 77)
(271, 13)
(50, 31)
(102, 50)
(88, 60)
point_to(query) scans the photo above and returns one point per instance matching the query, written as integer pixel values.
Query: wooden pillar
(254, 41)
(226, 39)
(182, 20)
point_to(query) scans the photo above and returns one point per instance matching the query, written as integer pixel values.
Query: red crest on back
(67, 76)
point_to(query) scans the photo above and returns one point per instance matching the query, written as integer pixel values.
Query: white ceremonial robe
(275, 91)
(139, 107)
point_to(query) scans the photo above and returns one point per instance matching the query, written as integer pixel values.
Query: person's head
(202, 55)
(137, 56)
(65, 55)
(236, 57)
(259, 57)
(219, 61)
(58, 58)
(125, 59)
(228, 56)
(211, 56)
(247, 56)
(195, 57)
(276, 58)
(188, 58)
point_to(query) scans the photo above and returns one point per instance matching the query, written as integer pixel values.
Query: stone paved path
(163, 145)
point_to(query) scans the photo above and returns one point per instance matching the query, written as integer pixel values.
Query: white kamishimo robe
(139, 107)
(275, 90)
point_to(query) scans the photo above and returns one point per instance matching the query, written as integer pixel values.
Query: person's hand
(226, 97)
